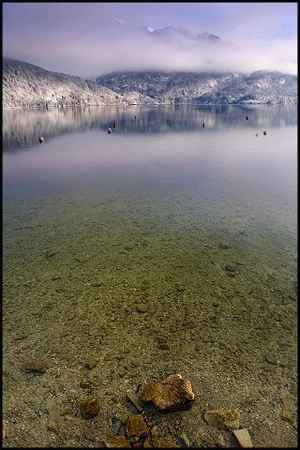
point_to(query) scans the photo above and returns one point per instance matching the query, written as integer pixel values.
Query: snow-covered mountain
(27, 85)
(183, 33)
(207, 88)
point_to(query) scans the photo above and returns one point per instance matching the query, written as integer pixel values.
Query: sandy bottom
(110, 292)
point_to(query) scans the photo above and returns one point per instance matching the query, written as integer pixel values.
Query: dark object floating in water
(256, 134)
(109, 130)
(41, 139)
(247, 118)
(114, 125)
(203, 124)
(134, 117)
(265, 133)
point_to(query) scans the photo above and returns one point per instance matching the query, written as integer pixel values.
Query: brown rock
(223, 418)
(117, 442)
(243, 438)
(136, 428)
(89, 408)
(174, 393)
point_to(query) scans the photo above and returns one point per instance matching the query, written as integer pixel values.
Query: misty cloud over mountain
(126, 47)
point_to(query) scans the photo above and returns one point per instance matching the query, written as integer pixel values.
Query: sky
(90, 39)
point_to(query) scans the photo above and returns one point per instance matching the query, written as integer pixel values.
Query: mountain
(208, 88)
(27, 85)
(180, 32)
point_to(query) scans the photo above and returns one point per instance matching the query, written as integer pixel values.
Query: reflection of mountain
(23, 130)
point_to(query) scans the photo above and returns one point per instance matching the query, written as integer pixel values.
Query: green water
(151, 251)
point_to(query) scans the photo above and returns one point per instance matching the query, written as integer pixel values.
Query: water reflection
(23, 130)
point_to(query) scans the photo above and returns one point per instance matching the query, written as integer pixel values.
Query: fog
(81, 41)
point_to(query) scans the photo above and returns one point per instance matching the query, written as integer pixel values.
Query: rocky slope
(207, 88)
(27, 85)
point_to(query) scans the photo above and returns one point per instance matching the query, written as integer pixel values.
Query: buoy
(109, 130)
(41, 139)
(265, 133)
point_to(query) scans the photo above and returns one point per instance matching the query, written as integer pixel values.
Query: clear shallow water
(145, 226)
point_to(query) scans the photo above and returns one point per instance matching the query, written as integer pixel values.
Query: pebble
(230, 270)
(117, 442)
(132, 399)
(224, 246)
(89, 408)
(288, 410)
(90, 363)
(173, 393)
(50, 254)
(116, 424)
(243, 438)
(271, 359)
(7, 430)
(185, 440)
(35, 367)
(136, 427)
(141, 308)
(223, 418)
(86, 384)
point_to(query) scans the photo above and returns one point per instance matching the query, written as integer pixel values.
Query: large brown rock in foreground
(173, 393)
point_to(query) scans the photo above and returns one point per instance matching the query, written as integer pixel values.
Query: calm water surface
(163, 247)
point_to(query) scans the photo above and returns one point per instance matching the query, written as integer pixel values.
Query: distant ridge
(28, 85)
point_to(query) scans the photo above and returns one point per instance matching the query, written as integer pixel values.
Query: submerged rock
(35, 367)
(224, 246)
(159, 443)
(133, 399)
(231, 270)
(243, 438)
(223, 418)
(184, 440)
(174, 393)
(136, 428)
(117, 442)
(89, 408)
(288, 410)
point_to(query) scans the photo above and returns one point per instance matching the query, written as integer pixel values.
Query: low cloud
(95, 45)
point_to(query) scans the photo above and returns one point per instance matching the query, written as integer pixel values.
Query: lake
(167, 246)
